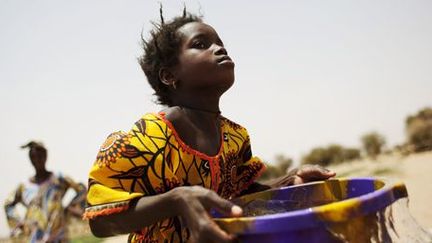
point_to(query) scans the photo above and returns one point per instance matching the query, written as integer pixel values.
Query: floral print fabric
(151, 159)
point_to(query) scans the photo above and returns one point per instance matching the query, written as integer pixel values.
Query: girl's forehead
(193, 29)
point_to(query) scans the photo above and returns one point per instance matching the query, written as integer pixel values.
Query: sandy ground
(414, 170)
(417, 175)
(117, 239)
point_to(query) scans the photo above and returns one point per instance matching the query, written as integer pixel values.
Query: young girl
(159, 180)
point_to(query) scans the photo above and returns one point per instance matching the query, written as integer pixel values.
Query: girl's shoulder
(147, 135)
(171, 113)
(233, 127)
(151, 124)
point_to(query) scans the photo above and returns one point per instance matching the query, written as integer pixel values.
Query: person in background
(42, 196)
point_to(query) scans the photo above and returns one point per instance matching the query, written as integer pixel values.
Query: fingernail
(236, 210)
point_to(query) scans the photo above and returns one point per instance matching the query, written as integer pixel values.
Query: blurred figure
(42, 195)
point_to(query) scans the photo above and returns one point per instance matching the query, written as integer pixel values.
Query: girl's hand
(305, 173)
(17, 230)
(193, 204)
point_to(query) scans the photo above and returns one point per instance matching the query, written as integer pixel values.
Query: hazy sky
(308, 73)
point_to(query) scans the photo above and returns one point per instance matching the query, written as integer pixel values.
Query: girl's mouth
(225, 60)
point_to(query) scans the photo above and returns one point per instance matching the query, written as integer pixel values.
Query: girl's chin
(227, 79)
(226, 84)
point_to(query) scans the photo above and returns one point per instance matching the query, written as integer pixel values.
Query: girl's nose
(220, 50)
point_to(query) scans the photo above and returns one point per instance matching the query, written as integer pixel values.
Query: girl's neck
(202, 111)
(206, 106)
(41, 175)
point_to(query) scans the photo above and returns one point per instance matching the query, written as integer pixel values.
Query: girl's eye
(199, 45)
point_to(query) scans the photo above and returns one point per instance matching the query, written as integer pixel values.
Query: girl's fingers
(223, 206)
(216, 234)
(202, 227)
(310, 173)
(236, 211)
(298, 180)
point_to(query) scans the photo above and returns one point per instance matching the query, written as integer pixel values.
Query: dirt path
(116, 239)
(417, 175)
(414, 170)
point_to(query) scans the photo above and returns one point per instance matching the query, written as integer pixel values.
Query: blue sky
(308, 73)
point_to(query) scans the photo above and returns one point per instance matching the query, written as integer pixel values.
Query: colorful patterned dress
(45, 219)
(151, 159)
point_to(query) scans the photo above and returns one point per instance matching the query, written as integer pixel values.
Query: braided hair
(162, 50)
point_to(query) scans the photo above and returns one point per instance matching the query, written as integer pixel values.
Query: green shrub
(332, 154)
(351, 154)
(419, 130)
(372, 144)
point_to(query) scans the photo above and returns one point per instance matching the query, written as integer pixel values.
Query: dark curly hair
(161, 51)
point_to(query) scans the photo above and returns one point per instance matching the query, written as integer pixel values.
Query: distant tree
(424, 114)
(351, 154)
(373, 143)
(332, 154)
(278, 168)
(419, 130)
(319, 156)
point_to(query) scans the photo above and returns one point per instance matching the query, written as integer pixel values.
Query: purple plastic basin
(327, 211)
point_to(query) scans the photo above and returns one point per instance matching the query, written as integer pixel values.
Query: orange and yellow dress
(151, 159)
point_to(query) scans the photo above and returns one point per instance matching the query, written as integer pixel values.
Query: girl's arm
(255, 187)
(304, 174)
(15, 223)
(191, 203)
(77, 204)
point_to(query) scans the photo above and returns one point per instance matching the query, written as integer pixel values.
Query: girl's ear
(167, 77)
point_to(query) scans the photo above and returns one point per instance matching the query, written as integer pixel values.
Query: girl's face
(203, 60)
(38, 159)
